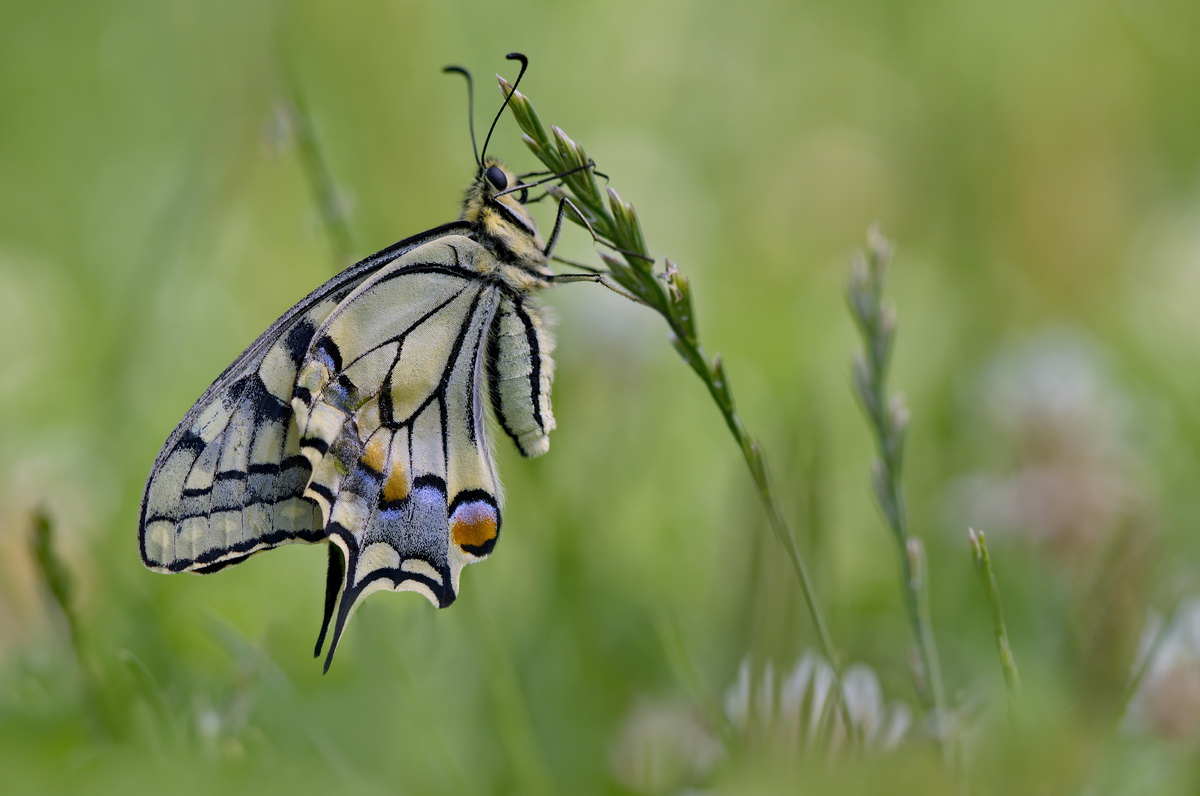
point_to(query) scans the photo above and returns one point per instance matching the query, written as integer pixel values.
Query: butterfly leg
(576, 264)
(600, 278)
(563, 204)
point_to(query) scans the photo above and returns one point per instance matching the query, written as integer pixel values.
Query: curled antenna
(524, 65)
(470, 106)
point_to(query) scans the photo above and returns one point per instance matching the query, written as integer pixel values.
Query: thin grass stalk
(317, 171)
(59, 584)
(631, 273)
(987, 576)
(888, 418)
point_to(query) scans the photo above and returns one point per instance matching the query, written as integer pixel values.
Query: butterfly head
(494, 203)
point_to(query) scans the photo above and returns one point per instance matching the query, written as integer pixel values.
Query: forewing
(520, 371)
(230, 479)
(392, 425)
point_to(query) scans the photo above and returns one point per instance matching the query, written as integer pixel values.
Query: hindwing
(520, 372)
(389, 411)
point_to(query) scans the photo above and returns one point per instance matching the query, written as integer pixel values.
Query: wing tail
(335, 578)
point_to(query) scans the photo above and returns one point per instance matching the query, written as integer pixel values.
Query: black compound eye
(496, 177)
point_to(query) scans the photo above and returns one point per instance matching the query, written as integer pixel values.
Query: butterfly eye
(496, 177)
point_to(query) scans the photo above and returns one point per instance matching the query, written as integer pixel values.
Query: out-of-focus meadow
(1038, 168)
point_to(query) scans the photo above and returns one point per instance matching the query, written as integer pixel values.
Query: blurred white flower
(1051, 405)
(1167, 700)
(667, 747)
(1054, 389)
(663, 747)
(795, 710)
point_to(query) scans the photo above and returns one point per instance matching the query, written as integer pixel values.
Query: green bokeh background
(1037, 165)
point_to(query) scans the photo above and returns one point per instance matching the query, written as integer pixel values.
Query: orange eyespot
(474, 527)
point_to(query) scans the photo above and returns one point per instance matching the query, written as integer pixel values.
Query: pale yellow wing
(389, 410)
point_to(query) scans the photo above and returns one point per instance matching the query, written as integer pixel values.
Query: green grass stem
(987, 576)
(888, 419)
(631, 273)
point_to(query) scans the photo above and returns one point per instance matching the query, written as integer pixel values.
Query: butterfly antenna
(524, 65)
(470, 107)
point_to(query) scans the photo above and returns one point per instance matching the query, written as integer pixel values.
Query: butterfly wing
(229, 482)
(519, 371)
(389, 410)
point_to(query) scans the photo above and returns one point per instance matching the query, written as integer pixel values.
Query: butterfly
(358, 417)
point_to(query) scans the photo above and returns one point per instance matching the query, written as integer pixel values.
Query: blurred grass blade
(987, 576)
(51, 569)
(56, 578)
(328, 197)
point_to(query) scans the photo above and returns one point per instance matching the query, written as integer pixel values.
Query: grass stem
(630, 272)
(987, 576)
(887, 417)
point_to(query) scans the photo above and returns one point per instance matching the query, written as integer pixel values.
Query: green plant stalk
(916, 569)
(316, 170)
(615, 224)
(60, 586)
(1143, 666)
(987, 576)
(518, 737)
(888, 421)
(671, 639)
